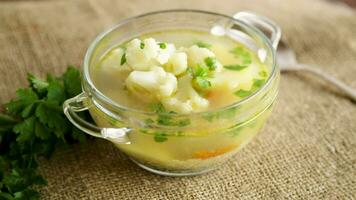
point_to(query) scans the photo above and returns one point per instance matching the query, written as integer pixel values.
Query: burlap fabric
(307, 150)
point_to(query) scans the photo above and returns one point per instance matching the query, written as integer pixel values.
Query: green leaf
(25, 129)
(7, 119)
(47, 114)
(200, 71)
(143, 131)
(227, 114)
(202, 44)
(199, 74)
(224, 114)
(202, 82)
(242, 54)
(6, 196)
(184, 122)
(123, 59)
(56, 91)
(156, 107)
(28, 110)
(19, 195)
(236, 131)
(72, 81)
(38, 84)
(209, 117)
(27, 194)
(257, 83)
(211, 63)
(50, 78)
(162, 45)
(16, 106)
(142, 45)
(164, 117)
(237, 51)
(42, 131)
(263, 73)
(25, 96)
(165, 120)
(235, 67)
(243, 93)
(160, 137)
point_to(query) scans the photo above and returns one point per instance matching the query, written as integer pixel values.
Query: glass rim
(98, 94)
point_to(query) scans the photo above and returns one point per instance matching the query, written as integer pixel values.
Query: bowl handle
(265, 25)
(80, 103)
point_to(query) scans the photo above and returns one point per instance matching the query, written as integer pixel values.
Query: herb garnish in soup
(182, 72)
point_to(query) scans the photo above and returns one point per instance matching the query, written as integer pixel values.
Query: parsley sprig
(242, 54)
(244, 57)
(162, 45)
(257, 83)
(203, 44)
(200, 73)
(211, 62)
(142, 45)
(160, 137)
(123, 59)
(235, 67)
(164, 118)
(32, 126)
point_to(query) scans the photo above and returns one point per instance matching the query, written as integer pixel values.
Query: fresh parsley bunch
(32, 126)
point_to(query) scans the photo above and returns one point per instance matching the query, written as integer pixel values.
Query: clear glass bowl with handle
(197, 142)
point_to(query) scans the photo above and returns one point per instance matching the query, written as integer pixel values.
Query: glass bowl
(180, 144)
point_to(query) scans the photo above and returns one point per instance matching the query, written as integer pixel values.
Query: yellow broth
(201, 143)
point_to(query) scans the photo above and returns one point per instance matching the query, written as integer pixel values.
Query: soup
(178, 73)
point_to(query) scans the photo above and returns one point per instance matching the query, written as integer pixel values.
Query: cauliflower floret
(177, 63)
(153, 84)
(165, 53)
(198, 55)
(140, 55)
(112, 61)
(186, 99)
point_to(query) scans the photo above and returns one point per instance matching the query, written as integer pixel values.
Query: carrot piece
(213, 153)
